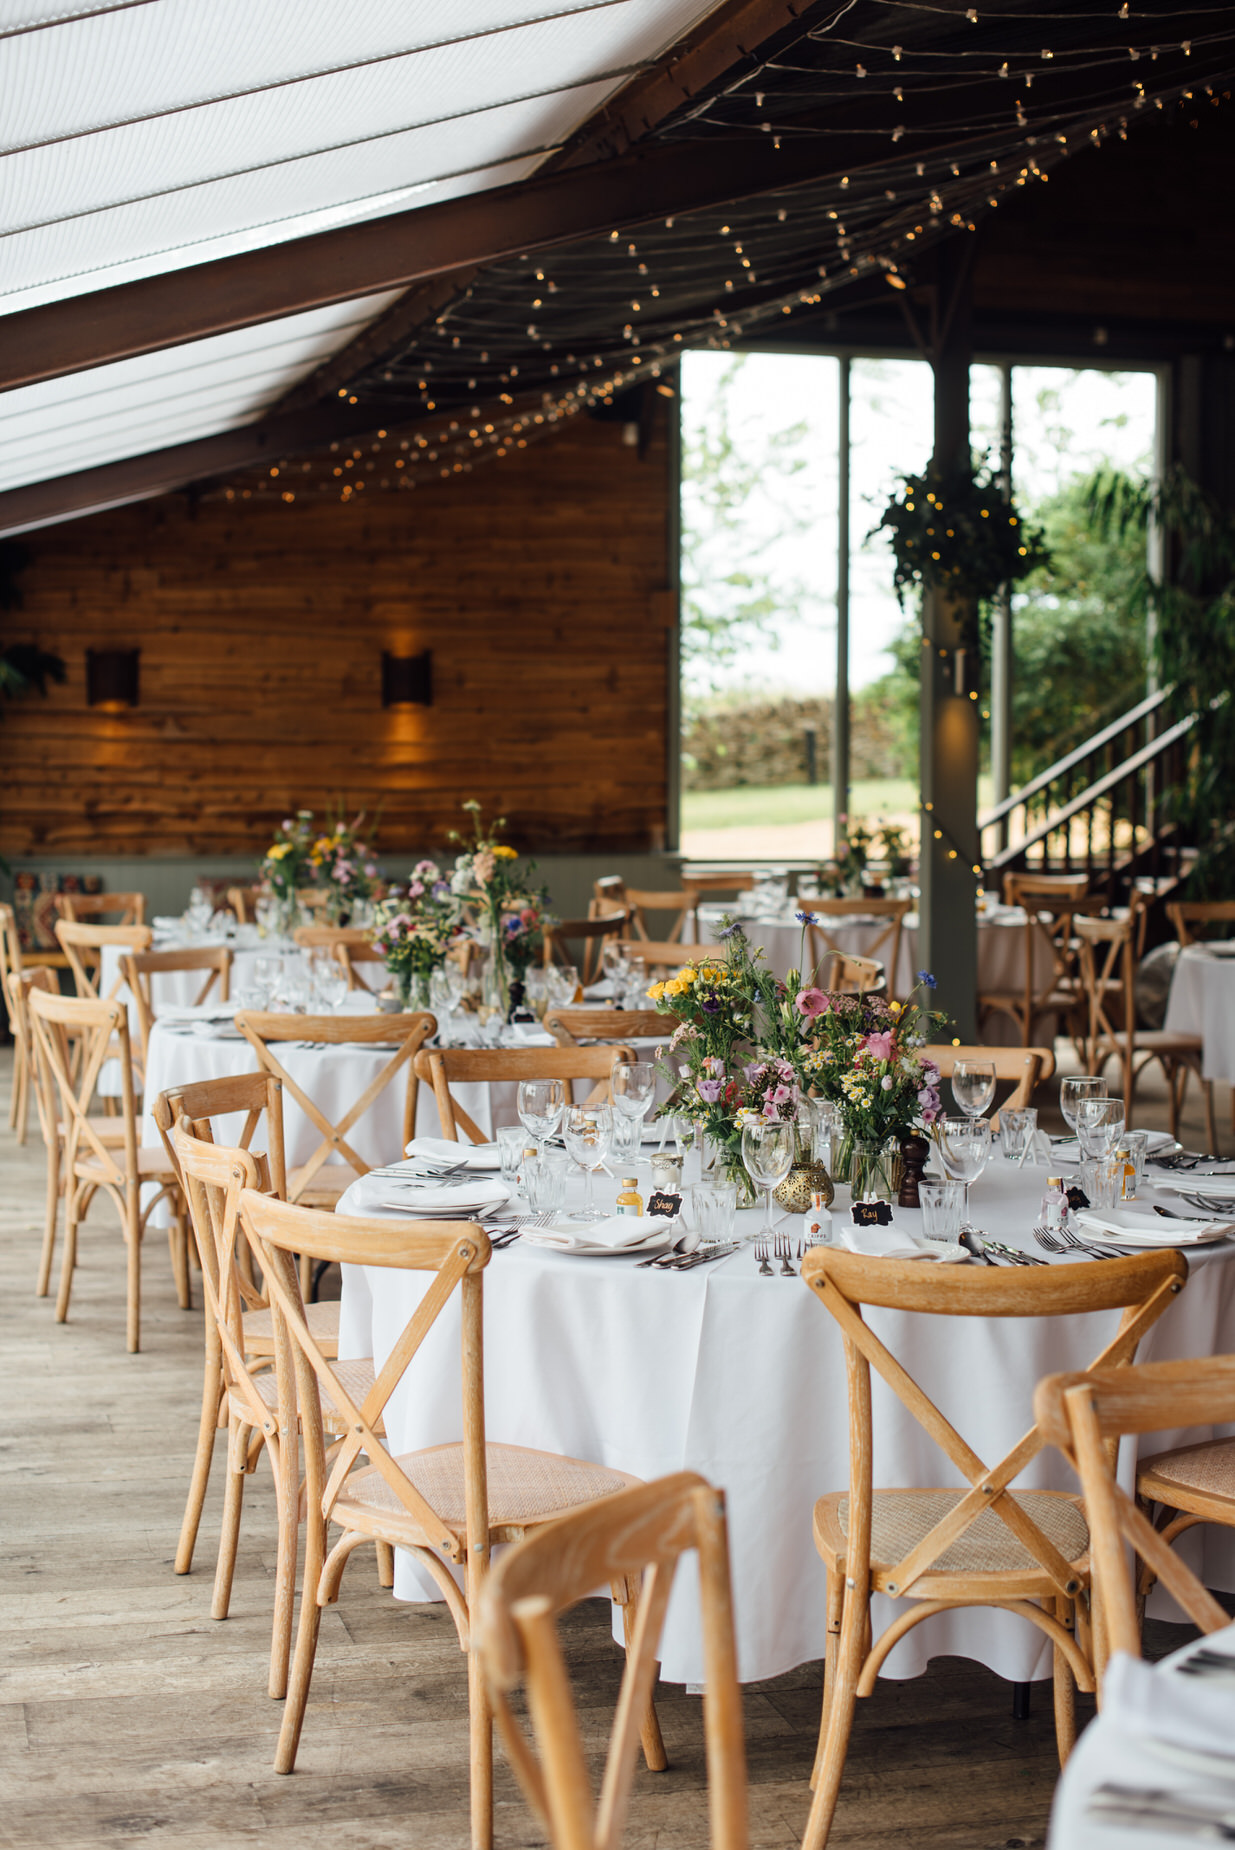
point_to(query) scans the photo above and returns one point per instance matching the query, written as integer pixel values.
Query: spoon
(972, 1244)
(685, 1243)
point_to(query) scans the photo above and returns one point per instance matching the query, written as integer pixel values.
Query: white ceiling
(149, 136)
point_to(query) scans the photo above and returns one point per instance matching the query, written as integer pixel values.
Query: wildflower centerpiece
(343, 862)
(867, 1059)
(416, 928)
(510, 912)
(287, 866)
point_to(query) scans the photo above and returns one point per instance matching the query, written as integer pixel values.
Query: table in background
(742, 1378)
(1202, 1001)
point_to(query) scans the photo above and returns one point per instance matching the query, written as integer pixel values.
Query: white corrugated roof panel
(139, 139)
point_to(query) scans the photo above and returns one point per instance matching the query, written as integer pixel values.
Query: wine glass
(964, 1150)
(767, 1151)
(588, 1131)
(329, 982)
(199, 912)
(634, 1088)
(973, 1086)
(1075, 1088)
(1099, 1124)
(540, 1104)
(442, 1002)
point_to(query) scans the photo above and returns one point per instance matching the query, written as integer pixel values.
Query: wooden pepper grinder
(914, 1152)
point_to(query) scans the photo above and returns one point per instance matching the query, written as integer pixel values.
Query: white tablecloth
(742, 1378)
(1108, 1754)
(1202, 1001)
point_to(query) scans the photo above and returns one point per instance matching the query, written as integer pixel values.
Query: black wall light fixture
(407, 680)
(112, 678)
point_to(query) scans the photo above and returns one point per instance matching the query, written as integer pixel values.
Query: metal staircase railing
(1101, 809)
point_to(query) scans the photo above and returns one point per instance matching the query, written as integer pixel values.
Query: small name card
(660, 1201)
(871, 1214)
(1077, 1198)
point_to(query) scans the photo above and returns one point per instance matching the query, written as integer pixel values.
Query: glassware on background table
(973, 1086)
(266, 974)
(536, 991)
(252, 996)
(1072, 1089)
(632, 980)
(1132, 1149)
(293, 989)
(540, 1104)
(1016, 1129)
(942, 1205)
(198, 912)
(633, 1086)
(827, 1133)
(561, 981)
(767, 1151)
(266, 913)
(511, 1142)
(588, 1132)
(329, 981)
(964, 1146)
(627, 1139)
(1099, 1124)
(713, 1204)
(442, 1002)
(544, 1181)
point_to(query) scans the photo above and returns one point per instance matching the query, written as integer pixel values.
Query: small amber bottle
(629, 1200)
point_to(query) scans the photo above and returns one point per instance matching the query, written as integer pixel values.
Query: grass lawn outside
(789, 821)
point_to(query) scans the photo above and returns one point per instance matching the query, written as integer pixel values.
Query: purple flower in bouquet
(880, 1046)
(710, 1005)
(709, 1090)
(811, 1002)
(925, 977)
(806, 918)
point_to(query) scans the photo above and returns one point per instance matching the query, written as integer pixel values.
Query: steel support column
(840, 698)
(948, 939)
(1002, 665)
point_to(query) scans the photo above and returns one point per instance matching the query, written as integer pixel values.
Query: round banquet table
(742, 1378)
(1202, 1001)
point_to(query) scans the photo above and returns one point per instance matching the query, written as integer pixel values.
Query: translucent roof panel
(142, 137)
(65, 425)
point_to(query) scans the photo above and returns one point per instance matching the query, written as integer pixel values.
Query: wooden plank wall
(537, 581)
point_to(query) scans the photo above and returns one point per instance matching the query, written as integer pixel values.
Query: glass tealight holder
(1016, 1130)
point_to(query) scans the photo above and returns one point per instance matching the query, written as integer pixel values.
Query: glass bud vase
(719, 1160)
(875, 1171)
(412, 990)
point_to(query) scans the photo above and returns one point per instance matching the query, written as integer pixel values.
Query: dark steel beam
(402, 249)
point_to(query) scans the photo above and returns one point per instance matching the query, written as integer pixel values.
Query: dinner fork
(761, 1254)
(1062, 1241)
(782, 1250)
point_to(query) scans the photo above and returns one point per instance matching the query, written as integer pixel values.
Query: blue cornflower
(806, 918)
(711, 1005)
(924, 976)
(730, 930)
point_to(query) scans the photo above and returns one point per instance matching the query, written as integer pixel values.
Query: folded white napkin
(897, 1243)
(1151, 1229)
(435, 1149)
(1154, 1700)
(618, 1231)
(202, 1011)
(410, 1197)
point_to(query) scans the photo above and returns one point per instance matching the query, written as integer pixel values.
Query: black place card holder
(871, 1214)
(660, 1201)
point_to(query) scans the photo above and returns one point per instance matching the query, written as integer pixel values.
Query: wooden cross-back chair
(243, 902)
(83, 945)
(669, 955)
(320, 1181)
(592, 933)
(449, 1505)
(1051, 903)
(12, 963)
(93, 1163)
(1022, 1551)
(885, 945)
(139, 968)
(18, 985)
(128, 908)
(571, 1026)
(351, 945)
(214, 1176)
(1025, 1067)
(1191, 918)
(1108, 982)
(681, 903)
(636, 1537)
(355, 958)
(850, 976)
(447, 1066)
(1085, 1416)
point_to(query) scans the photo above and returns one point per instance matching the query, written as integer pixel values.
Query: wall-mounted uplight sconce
(112, 678)
(407, 680)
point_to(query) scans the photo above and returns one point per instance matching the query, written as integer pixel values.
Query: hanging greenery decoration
(958, 532)
(24, 667)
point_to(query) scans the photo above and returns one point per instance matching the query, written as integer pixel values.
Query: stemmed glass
(964, 1150)
(1099, 1124)
(767, 1151)
(442, 1002)
(329, 981)
(1073, 1091)
(540, 1104)
(634, 1088)
(588, 1131)
(199, 912)
(973, 1086)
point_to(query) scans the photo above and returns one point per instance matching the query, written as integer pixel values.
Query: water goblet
(767, 1151)
(588, 1130)
(1074, 1088)
(536, 992)
(266, 974)
(964, 1150)
(329, 983)
(973, 1086)
(540, 1104)
(442, 1002)
(1099, 1124)
(634, 1088)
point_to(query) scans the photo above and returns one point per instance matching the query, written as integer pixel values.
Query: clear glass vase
(875, 1170)
(719, 1160)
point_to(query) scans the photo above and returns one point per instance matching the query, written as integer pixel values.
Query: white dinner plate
(1126, 1227)
(657, 1243)
(473, 1155)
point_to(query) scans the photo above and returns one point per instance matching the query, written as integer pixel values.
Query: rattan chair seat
(356, 1378)
(1208, 1467)
(322, 1319)
(153, 1165)
(525, 1487)
(900, 1519)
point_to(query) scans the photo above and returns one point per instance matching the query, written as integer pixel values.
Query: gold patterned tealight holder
(798, 1190)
